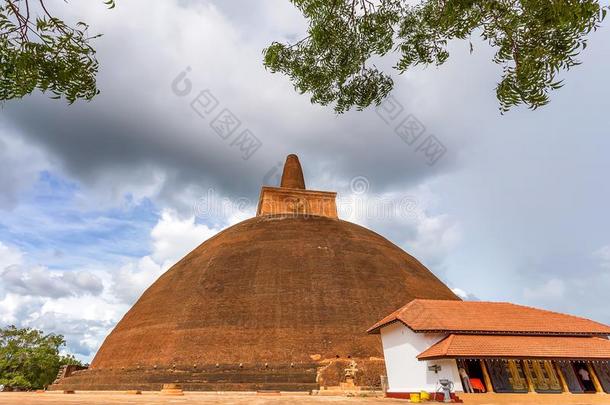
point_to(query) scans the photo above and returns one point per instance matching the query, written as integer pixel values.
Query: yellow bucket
(414, 398)
(424, 396)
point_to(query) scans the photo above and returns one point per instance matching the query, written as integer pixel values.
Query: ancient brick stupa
(280, 301)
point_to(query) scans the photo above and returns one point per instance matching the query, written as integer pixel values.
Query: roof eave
(376, 329)
(448, 356)
(509, 332)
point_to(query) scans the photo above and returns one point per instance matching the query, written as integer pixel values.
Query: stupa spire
(291, 197)
(292, 176)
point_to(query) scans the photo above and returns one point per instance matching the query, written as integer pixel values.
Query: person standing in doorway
(585, 377)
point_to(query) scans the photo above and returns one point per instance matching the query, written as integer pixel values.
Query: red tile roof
(488, 317)
(506, 346)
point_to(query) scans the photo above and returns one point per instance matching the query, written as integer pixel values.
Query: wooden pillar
(596, 383)
(528, 376)
(488, 386)
(564, 383)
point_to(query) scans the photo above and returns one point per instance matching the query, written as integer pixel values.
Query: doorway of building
(584, 376)
(474, 371)
(571, 378)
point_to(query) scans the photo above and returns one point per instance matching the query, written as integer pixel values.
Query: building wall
(407, 374)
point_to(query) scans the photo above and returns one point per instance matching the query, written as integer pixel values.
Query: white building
(502, 347)
(405, 372)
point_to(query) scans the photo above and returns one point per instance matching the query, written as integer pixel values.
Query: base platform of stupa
(233, 377)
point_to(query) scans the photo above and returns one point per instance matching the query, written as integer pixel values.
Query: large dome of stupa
(274, 302)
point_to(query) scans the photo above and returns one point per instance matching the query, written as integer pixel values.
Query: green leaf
(534, 42)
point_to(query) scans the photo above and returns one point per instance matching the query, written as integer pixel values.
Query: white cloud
(435, 238)
(23, 279)
(84, 321)
(17, 309)
(54, 301)
(466, 296)
(554, 289)
(406, 217)
(42, 282)
(132, 279)
(21, 164)
(85, 305)
(84, 335)
(9, 256)
(603, 256)
(172, 238)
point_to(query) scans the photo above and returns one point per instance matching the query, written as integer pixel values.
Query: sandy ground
(56, 398)
(97, 398)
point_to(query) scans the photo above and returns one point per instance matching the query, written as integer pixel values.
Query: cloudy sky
(99, 198)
